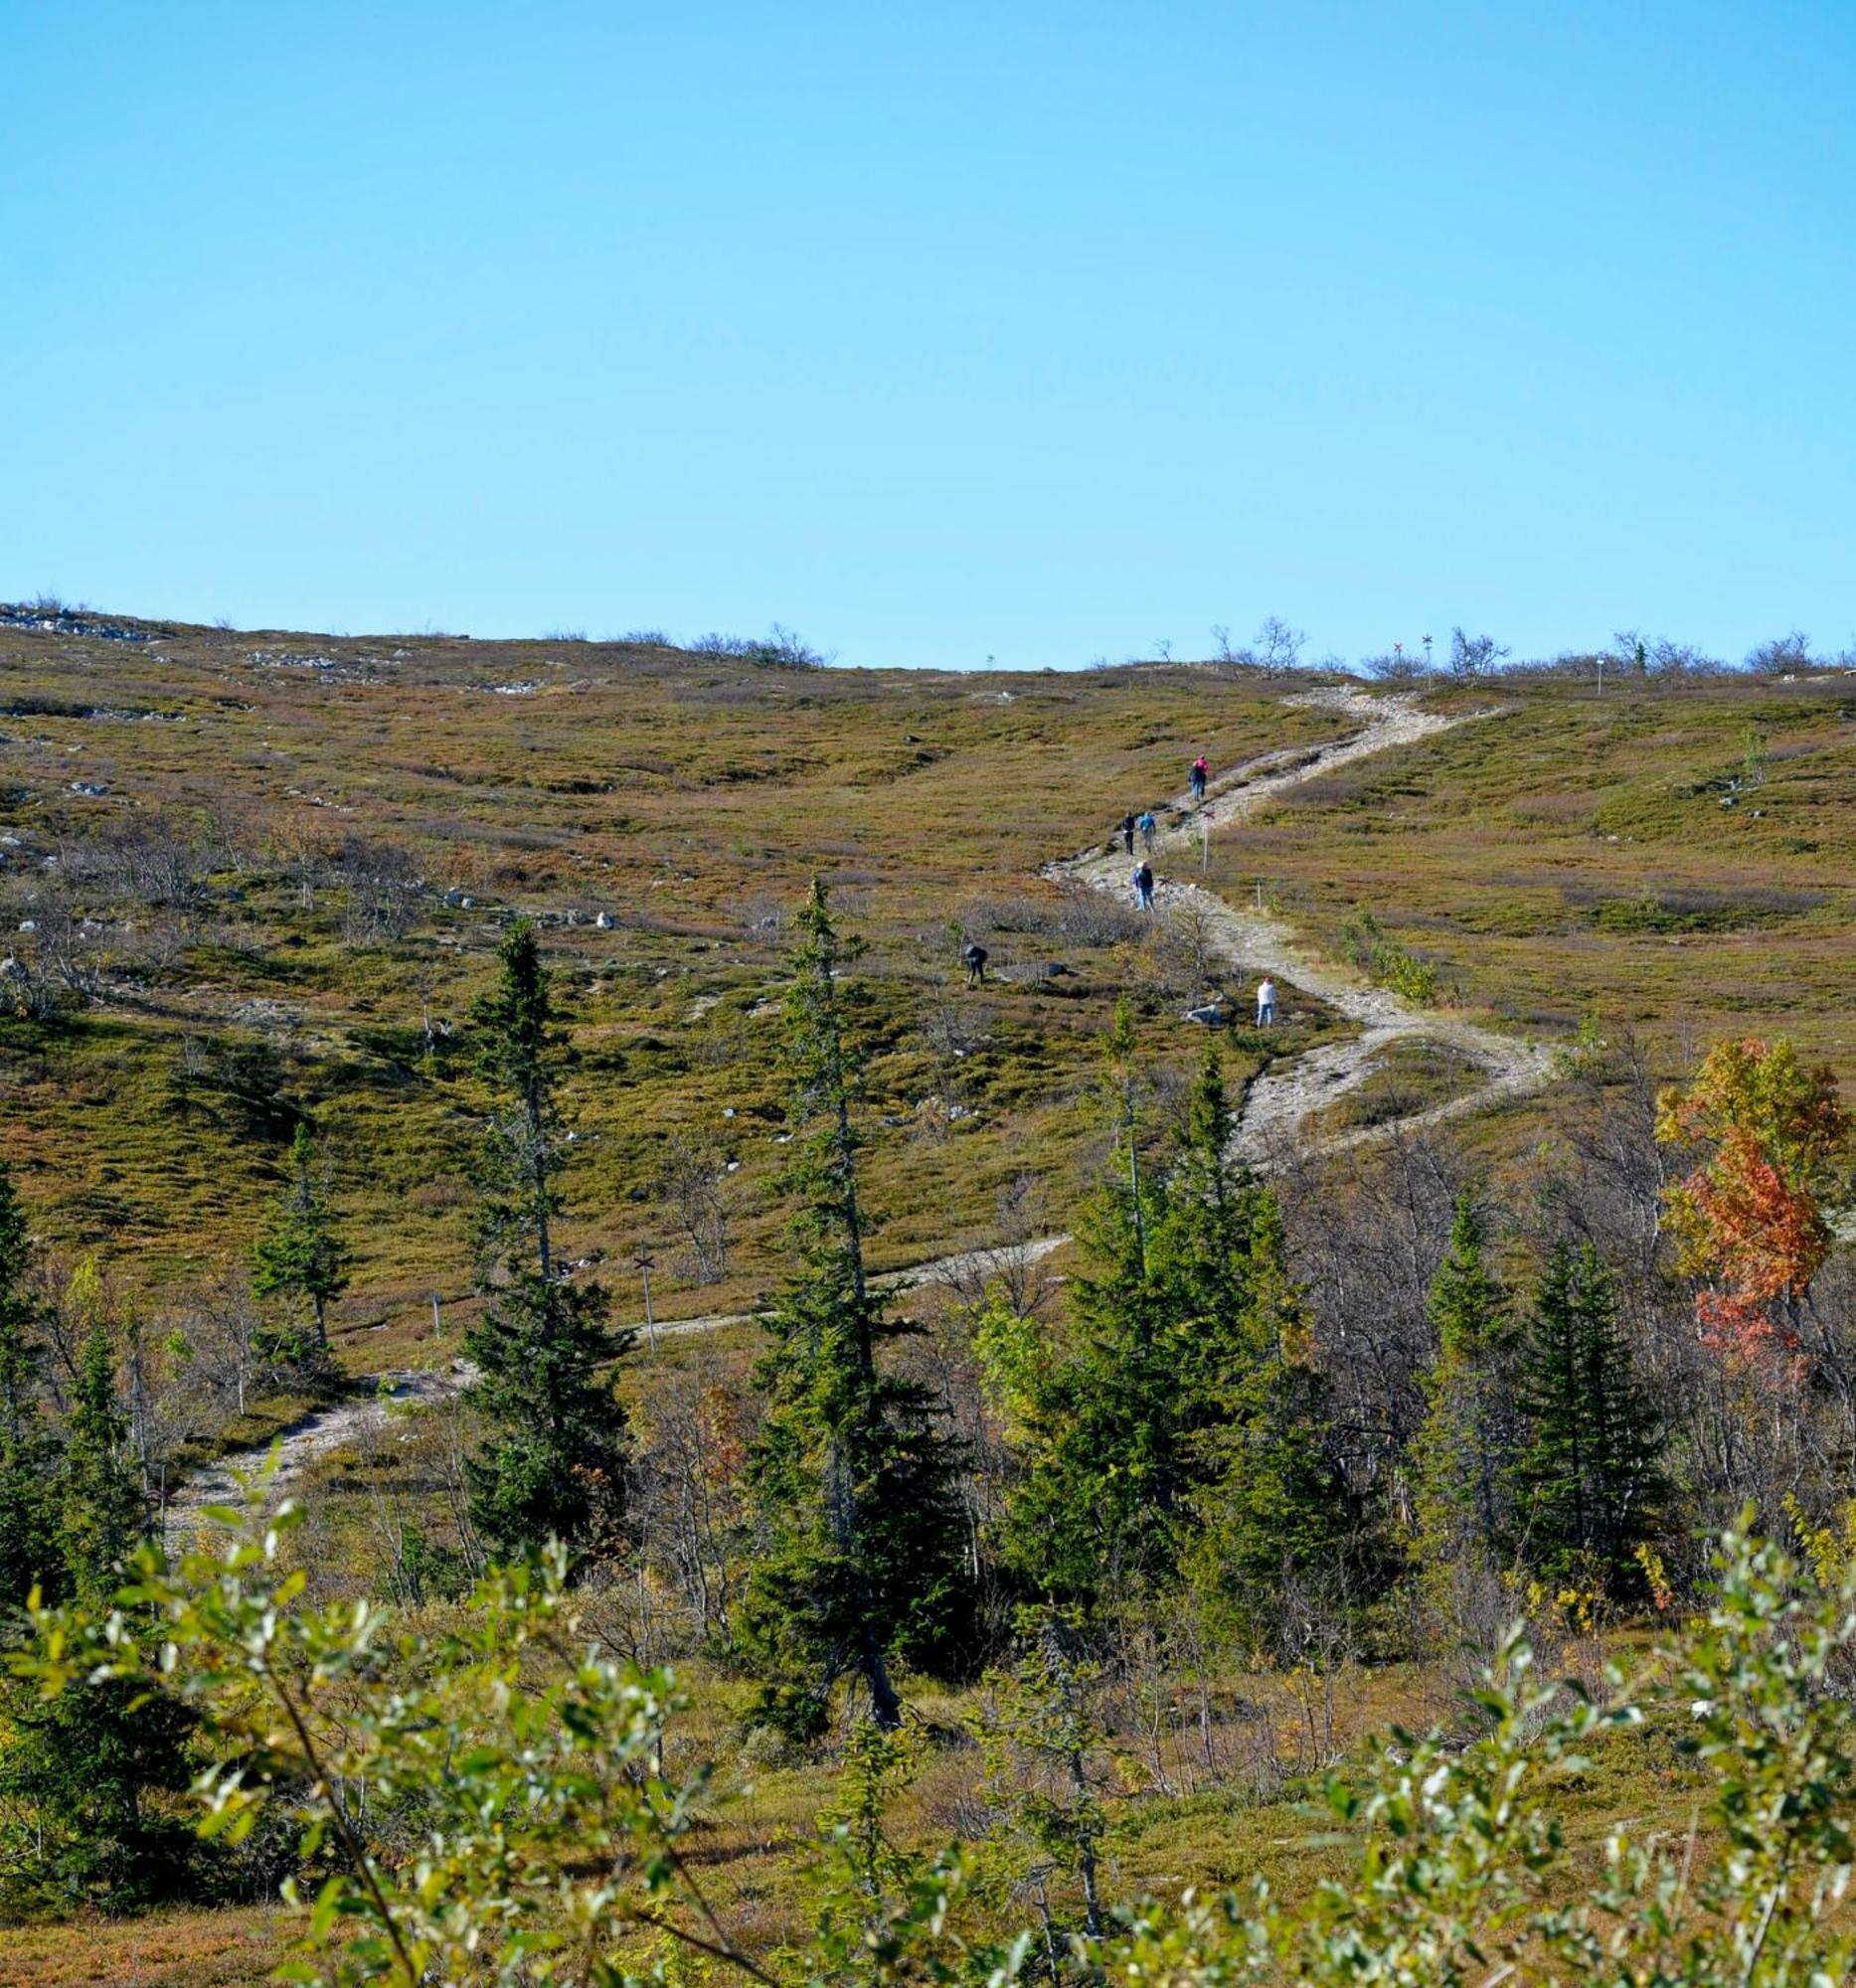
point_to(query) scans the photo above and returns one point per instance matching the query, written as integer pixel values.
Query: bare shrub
(1278, 646)
(1329, 790)
(1781, 654)
(1189, 933)
(1076, 915)
(780, 647)
(147, 860)
(1475, 655)
(1631, 648)
(951, 1031)
(695, 1421)
(693, 1185)
(382, 887)
(1557, 807)
(27, 989)
(1366, 1236)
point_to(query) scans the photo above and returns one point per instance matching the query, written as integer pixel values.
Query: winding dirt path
(1275, 1107)
(347, 1424)
(1253, 943)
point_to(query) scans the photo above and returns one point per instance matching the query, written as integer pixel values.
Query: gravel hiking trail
(1276, 1107)
(1253, 942)
(349, 1423)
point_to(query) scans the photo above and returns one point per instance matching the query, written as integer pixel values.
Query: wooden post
(644, 1265)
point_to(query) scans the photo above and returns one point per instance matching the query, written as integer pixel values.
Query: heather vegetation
(1417, 1544)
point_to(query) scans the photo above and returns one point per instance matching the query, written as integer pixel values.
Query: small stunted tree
(1462, 1452)
(1043, 1749)
(862, 1554)
(299, 1255)
(553, 1462)
(693, 1182)
(1587, 1484)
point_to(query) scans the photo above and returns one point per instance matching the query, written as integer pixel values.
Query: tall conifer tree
(1464, 1451)
(101, 1515)
(1588, 1485)
(863, 1539)
(1274, 1507)
(516, 1051)
(1179, 1425)
(554, 1459)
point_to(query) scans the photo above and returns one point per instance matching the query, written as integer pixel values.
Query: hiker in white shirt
(1265, 1002)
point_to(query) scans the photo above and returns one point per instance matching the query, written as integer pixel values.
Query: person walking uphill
(1201, 772)
(1127, 833)
(1265, 1002)
(1143, 880)
(973, 959)
(1147, 825)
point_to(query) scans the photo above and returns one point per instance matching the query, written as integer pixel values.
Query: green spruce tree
(517, 1051)
(1274, 1510)
(863, 1541)
(86, 1763)
(29, 1549)
(1462, 1505)
(1588, 1485)
(1177, 1422)
(101, 1515)
(1099, 1412)
(299, 1255)
(553, 1462)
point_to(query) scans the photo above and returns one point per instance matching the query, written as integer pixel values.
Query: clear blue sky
(935, 332)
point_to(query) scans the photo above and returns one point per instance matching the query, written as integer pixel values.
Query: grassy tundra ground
(1673, 857)
(1564, 859)
(688, 799)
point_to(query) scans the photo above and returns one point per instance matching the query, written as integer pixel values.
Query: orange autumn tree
(1752, 1215)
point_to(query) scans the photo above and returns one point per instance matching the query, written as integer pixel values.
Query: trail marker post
(644, 1264)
